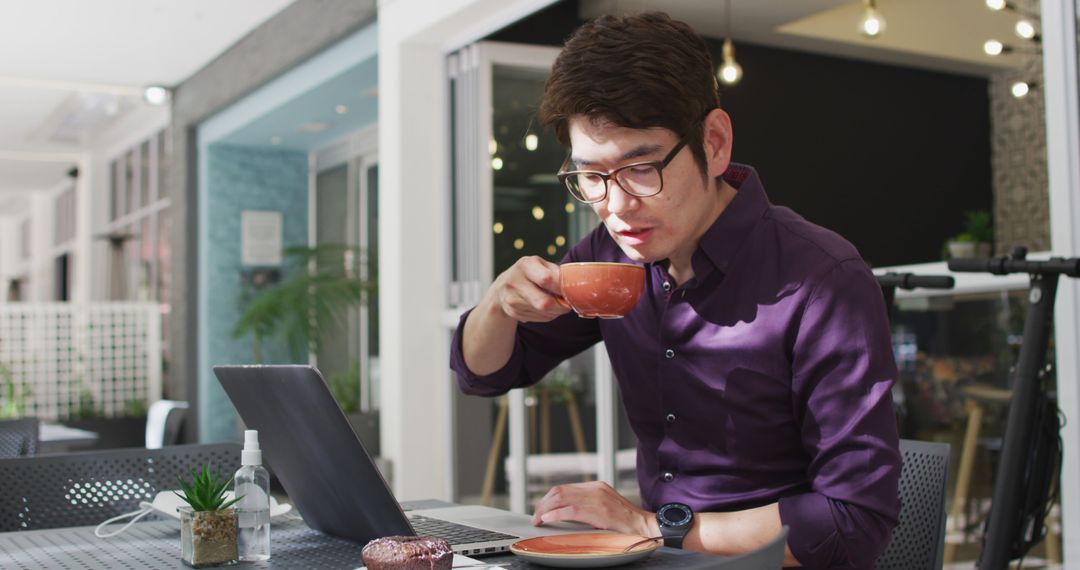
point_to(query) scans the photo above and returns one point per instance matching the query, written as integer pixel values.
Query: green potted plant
(320, 285)
(976, 240)
(13, 398)
(208, 524)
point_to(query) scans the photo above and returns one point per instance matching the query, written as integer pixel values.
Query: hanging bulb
(872, 24)
(1025, 29)
(730, 71)
(994, 47)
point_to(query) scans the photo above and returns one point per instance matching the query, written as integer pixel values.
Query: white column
(84, 231)
(415, 36)
(1063, 146)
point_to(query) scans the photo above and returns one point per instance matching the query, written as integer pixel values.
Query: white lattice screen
(71, 357)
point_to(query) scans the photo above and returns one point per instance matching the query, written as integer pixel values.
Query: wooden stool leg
(1053, 543)
(493, 453)
(967, 463)
(545, 429)
(575, 427)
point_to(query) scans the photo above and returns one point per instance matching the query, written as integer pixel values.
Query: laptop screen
(313, 451)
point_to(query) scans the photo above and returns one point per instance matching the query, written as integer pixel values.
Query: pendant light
(730, 72)
(872, 23)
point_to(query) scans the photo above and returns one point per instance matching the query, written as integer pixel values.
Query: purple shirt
(766, 377)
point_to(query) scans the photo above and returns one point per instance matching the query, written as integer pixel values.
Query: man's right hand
(527, 292)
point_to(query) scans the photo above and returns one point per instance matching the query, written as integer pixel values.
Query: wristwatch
(675, 521)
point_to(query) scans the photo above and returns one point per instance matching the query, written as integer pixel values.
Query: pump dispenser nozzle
(251, 455)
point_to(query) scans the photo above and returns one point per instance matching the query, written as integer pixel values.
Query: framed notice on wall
(260, 238)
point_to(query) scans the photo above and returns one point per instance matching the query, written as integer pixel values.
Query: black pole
(1003, 527)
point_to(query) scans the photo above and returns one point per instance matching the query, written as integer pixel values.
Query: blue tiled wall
(238, 179)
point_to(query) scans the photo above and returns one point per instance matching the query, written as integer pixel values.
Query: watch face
(675, 515)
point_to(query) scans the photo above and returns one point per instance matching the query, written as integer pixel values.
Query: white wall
(415, 36)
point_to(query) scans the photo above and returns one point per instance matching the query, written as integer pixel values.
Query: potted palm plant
(208, 524)
(320, 285)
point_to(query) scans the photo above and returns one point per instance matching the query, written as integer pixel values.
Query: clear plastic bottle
(252, 483)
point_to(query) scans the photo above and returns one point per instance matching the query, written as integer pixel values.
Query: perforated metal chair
(79, 489)
(918, 542)
(19, 437)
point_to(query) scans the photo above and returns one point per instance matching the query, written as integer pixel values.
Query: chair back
(19, 437)
(768, 557)
(163, 422)
(86, 488)
(918, 542)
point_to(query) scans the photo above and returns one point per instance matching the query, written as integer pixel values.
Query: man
(756, 369)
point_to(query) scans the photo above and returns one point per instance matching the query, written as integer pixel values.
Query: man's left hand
(596, 504)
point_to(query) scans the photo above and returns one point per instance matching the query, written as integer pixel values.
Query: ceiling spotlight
(156, 95)
(1025, 29)
(994, 47)
(996, 5)
(872, 23)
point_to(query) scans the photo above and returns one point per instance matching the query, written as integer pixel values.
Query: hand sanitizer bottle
(252, 483)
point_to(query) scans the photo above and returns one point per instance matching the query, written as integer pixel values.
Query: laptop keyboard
(455, 533)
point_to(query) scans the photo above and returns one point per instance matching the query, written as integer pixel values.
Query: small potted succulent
(208, 524)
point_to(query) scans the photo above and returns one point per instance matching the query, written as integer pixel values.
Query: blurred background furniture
(60, 438)
(164, 420)
(78, 489)
(918, 541)
(19, 437)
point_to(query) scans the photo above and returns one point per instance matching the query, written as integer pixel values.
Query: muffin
(408, 553)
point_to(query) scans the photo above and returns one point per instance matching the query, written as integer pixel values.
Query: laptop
(333, 481)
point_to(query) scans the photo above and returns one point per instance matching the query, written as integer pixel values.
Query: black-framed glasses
(641, 179)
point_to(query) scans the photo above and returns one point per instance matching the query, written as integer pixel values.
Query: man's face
(667, 225)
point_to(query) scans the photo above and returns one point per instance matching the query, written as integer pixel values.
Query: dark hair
(639, 71)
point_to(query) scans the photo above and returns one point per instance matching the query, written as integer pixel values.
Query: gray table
(156, 544)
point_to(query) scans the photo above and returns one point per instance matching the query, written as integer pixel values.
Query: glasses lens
(640, 180)
(586, 186)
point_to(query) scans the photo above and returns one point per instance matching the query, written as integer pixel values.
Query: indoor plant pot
(208, 538)
(208, 526)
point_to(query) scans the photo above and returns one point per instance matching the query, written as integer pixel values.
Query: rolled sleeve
(843, 371)
(538, 348)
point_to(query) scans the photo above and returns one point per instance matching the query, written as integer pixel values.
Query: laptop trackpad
(502, 521)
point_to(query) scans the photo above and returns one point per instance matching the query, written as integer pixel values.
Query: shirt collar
(720, 243)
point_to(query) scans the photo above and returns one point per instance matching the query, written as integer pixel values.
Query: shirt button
(670, 418)
(669, 353)
(669, 477)
(667, 286)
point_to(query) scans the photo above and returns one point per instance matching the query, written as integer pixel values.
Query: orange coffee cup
(601, 289)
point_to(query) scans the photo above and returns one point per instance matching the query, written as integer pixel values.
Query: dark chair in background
(918, 542)
(79, 489)
(164, 421)
(19, 437)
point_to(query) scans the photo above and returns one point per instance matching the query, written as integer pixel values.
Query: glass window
(144, 174)
(164, 154)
